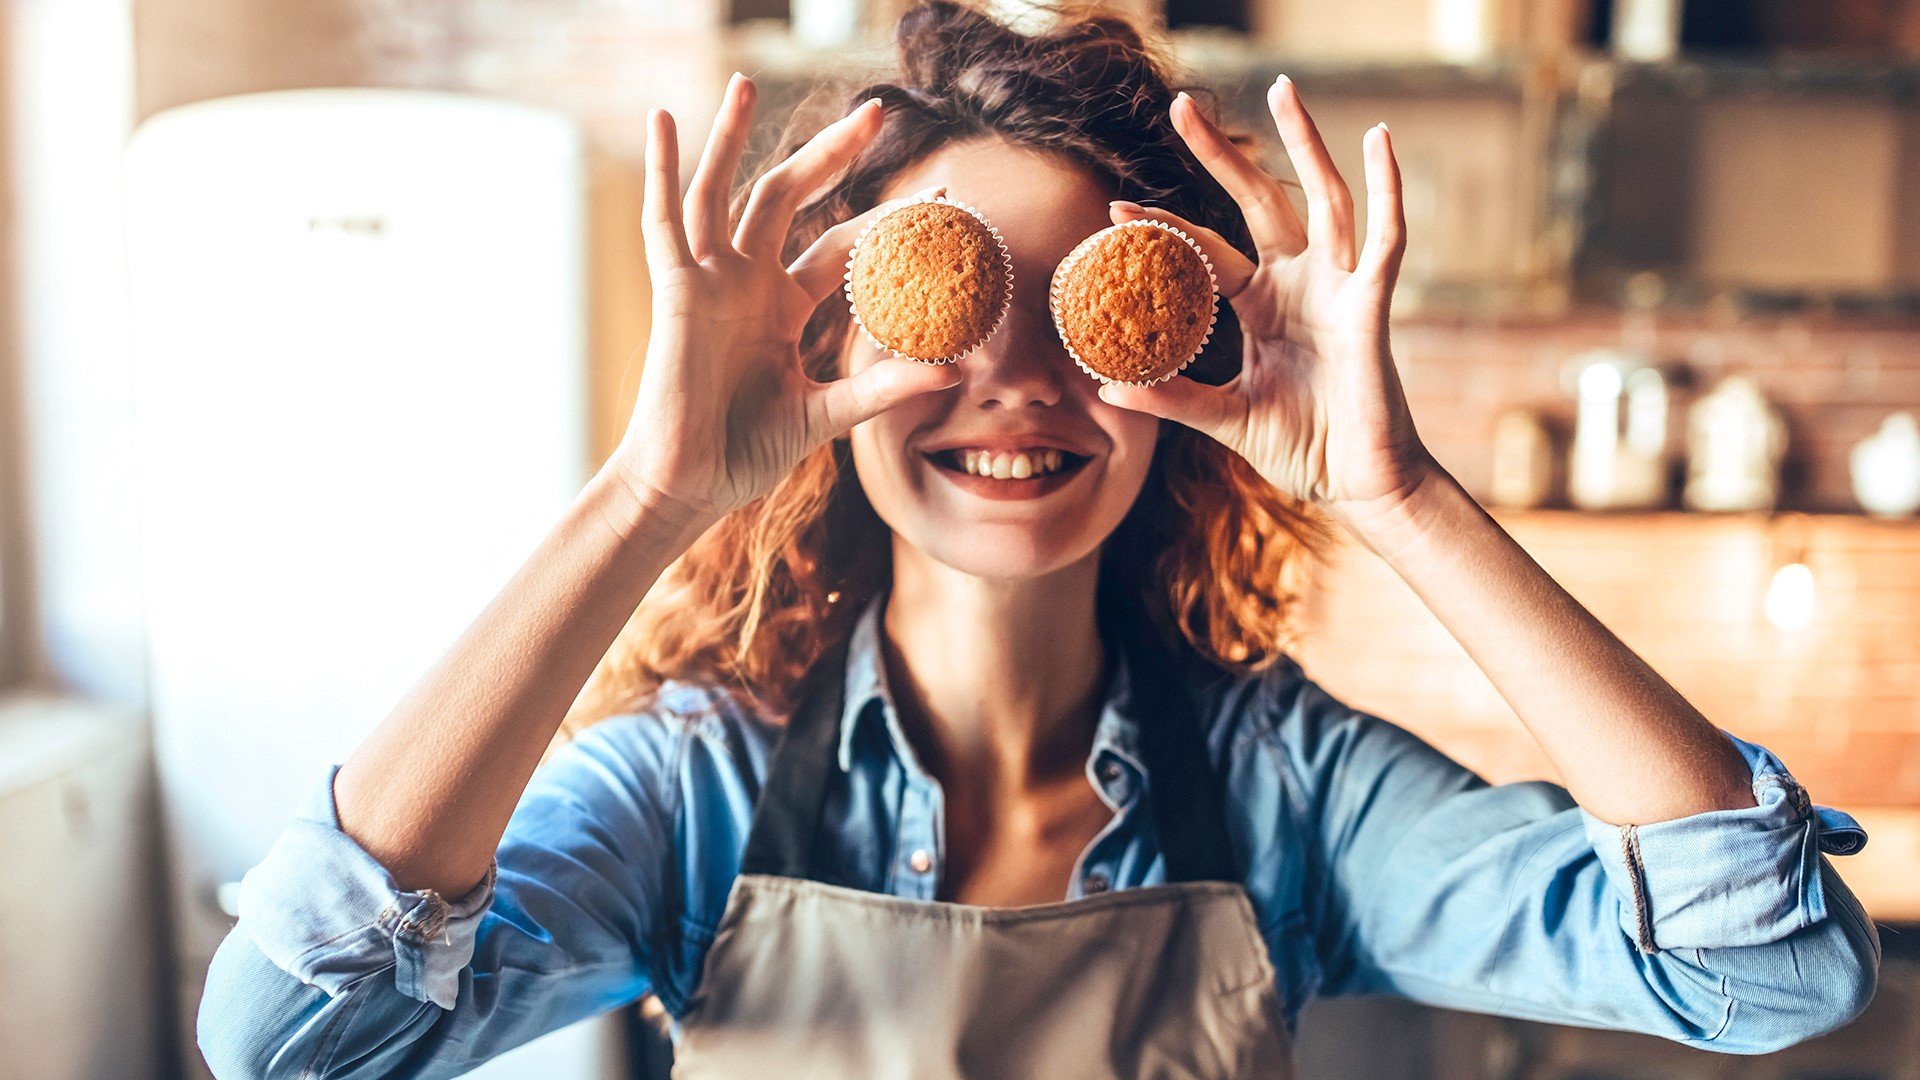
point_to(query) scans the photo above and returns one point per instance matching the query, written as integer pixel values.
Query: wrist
(642, 517)
(1395, 523)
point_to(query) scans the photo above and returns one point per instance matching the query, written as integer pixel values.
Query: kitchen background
(313, 315)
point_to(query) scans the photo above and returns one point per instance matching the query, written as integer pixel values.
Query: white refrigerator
(360, 400)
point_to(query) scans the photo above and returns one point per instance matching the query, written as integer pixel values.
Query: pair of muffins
(932, 281)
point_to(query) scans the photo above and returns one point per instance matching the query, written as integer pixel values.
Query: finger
(779, 193)
(660, 225)
(707, 224)
(1329, 203)
(1276, 228)
(1216, 411)
(1386, 213)
(833, 408)
(822, 268)
(1232, 269)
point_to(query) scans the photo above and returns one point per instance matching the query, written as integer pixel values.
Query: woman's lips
(988, 487)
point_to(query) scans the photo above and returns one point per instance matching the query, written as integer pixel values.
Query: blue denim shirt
(1375, 865)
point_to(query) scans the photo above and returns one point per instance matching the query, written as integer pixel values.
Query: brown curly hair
(1209, 546)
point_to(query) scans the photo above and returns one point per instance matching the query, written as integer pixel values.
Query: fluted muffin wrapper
(1006, 267)
(1073, 257)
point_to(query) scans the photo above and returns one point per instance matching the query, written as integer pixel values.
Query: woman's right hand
(724, 409)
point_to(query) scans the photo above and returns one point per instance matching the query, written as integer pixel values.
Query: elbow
(252, 1014)
(1828, 974)
(1842, 969)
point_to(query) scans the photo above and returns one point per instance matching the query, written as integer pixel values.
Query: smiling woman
(908, 764)
(1081, 115)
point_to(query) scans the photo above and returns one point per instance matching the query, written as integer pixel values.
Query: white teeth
(1018, 466)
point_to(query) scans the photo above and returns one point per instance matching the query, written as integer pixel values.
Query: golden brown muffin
(1134, 302)
(930, 281)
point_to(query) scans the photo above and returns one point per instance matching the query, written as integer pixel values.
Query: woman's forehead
(1043, 204)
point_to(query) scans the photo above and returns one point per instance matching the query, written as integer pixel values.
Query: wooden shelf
(1559, 176)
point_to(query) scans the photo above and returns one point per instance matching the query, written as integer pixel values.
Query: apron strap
(1186, 797)
(781, 837)
(1184, 794)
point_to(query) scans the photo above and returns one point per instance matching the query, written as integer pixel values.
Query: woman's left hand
(1317, 406)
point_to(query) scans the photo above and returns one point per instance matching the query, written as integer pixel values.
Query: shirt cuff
(328, 913)
(1726, 877)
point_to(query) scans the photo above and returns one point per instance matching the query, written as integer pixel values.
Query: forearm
(430, 791)
(1627, 745)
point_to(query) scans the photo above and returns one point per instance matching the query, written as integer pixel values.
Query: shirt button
(1096, 883)
(920, 860)
(1110, 772)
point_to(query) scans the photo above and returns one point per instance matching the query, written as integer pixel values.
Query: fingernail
(1129, 207)
(1383, 125)
(1282, 80)
(1182, 96)
(875, 102)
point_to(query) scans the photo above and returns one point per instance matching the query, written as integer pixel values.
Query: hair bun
(938, 41)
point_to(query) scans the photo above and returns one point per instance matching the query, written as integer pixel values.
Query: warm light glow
(1789, 604)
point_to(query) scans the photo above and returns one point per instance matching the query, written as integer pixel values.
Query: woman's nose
(1023, 363)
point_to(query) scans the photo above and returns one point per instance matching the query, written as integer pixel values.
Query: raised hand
(723, 410)
(1317, 407)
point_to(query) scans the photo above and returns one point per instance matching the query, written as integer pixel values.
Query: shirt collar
(866, 687)
(1116, 736)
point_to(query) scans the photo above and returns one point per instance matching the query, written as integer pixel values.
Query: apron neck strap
(1184, 794)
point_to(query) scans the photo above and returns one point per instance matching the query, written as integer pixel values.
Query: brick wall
(1838, 700)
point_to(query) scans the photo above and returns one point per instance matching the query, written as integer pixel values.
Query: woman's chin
(1002, 552)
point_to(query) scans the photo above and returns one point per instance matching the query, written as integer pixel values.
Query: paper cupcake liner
(1006, 267)
(1066, 267)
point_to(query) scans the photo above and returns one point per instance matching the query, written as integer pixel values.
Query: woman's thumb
(835, 407)
(1207, 409)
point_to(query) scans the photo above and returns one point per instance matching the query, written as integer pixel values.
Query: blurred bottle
(1619, 459)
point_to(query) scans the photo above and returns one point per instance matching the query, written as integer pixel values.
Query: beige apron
(810, 979)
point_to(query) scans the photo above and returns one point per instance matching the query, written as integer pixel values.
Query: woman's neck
(1000, 682)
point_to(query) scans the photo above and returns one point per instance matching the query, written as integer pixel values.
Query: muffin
(1134, 302)
(930, 281)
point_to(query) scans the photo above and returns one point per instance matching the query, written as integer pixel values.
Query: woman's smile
(1009, 465)
(1020, 474)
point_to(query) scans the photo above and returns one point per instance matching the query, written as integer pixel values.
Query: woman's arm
(429, 792)
(723, 412)
(1714, 916)
(1728, 930)
(369, 943)
(1626, 744)
(1319, 410)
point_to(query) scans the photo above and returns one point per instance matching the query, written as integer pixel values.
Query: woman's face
(1019, 391)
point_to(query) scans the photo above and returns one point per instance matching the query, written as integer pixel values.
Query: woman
(1038, 791)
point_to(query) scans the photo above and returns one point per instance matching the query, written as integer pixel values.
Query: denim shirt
(1374, 863)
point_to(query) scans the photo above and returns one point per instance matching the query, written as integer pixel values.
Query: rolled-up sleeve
(327, 913)
(334, 971)
(1727, 930)
(1726, 877)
